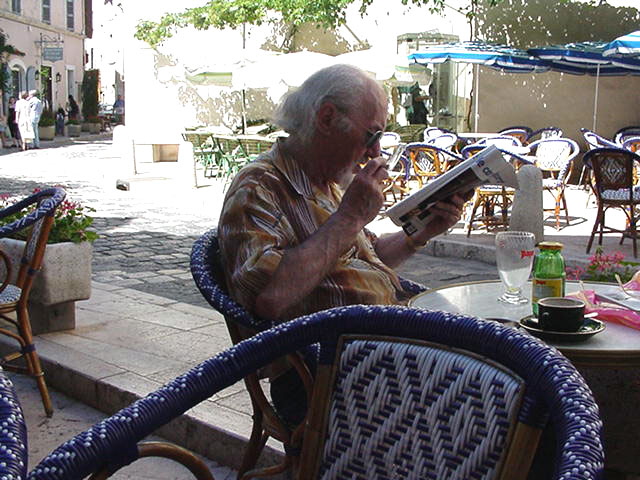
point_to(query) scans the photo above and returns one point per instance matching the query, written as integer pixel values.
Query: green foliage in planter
(73, 121)
(71, 221)
(90, 104)
(604, 267)
(47, 119)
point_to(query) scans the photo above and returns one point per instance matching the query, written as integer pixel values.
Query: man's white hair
(343, 85)
(32, 92)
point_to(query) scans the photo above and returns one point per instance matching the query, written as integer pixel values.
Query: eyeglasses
(371, 138)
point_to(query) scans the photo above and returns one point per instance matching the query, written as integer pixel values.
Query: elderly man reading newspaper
(292, 240)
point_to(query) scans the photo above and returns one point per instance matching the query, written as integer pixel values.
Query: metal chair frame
(613, 183)
(555, 394)
(14, 296)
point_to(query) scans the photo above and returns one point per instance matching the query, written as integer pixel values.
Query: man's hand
(363, 199)
(445, 214)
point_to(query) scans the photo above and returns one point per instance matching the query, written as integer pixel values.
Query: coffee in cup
(560, 314)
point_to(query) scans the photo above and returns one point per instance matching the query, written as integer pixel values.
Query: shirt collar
(292, 171)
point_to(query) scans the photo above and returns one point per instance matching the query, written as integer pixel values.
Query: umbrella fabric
(386, 66)
(585, 58)
(500, 57)
(626, 45)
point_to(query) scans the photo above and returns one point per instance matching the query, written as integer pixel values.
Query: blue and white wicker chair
(400, 393)
(521, 132)
(545, 132)
(14, 295)
(13, 434)
(614, 186)
(208, 275)
(554, 157)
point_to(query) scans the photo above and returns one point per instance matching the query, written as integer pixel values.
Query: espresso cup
(560, 314)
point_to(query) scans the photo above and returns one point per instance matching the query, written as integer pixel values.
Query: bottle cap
(550, 246)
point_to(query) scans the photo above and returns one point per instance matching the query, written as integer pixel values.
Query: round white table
(616, 346)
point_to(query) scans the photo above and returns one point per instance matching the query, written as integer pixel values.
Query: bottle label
(547, 287)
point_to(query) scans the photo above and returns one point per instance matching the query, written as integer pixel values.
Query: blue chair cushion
(11, 294)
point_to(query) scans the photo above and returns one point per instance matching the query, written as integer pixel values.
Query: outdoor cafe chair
(446, 141)
(400, 393)
(434, 132)
(202, 154)
(429, 161)
(520, 132)
(631, 143)
(554, 157)
(614, 187)
(542, 133)
(624, 133)
(16, 287)
(489, 197)
(208, 275)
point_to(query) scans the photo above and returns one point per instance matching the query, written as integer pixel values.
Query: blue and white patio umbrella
(586, 58)
(499, 57)
(625, 46)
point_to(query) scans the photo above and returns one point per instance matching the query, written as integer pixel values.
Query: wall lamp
(58, 77)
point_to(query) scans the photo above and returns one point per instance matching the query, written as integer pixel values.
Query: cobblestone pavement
(146, 233)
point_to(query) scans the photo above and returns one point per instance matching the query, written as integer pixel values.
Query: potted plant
(95, 125)
(46, 125)
(90, 102)
(65, 276)
(73, 128)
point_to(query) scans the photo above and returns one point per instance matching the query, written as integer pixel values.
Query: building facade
(51, 35)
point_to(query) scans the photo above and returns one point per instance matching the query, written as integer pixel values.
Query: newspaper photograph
(486, 167)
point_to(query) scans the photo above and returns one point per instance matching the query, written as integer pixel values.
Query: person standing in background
(118, 110)
(12, 123)
(36, 107)
(23, 118)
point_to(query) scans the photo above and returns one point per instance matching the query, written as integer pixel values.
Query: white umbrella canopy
(386, 66)
(289, 69)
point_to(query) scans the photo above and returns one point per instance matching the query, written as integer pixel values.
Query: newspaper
(487, 166)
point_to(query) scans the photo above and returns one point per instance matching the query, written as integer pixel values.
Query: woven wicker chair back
(613, 170)
(414, 409)
(13, 435)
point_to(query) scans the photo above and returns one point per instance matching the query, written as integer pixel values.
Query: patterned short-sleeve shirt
(272, 206)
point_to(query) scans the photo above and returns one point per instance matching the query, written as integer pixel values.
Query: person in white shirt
(23, 119)
(36, 107)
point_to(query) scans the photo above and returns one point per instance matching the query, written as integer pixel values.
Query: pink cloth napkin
(608, 311)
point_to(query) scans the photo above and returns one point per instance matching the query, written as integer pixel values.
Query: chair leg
(257, 440)
(32, 358)
(566, 209)
(596, 226)
(476, 204)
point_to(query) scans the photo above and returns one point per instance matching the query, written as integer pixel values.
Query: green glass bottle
(549, 276)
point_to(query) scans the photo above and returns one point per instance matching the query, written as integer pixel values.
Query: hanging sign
(52, 54)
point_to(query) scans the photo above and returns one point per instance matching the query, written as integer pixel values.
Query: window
(15, 6)
(46, 11)
(70, 15)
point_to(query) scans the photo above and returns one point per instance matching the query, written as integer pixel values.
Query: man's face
(361, 140)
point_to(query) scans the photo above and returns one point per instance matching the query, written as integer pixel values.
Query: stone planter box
(65, 278)
(85, 127)
(95, 127)
(74, 130)
(47, 133)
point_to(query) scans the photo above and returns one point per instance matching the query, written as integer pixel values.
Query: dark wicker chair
(614, 187)
(410, 394)
(209, 278)
(14, 294)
